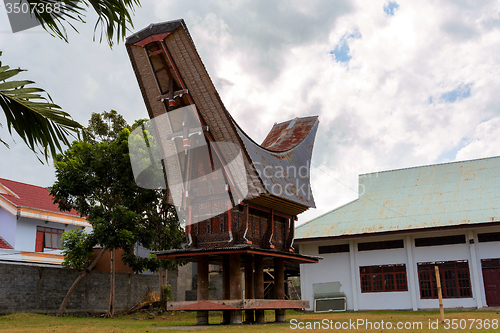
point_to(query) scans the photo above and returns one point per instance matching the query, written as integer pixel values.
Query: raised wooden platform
(240, 304)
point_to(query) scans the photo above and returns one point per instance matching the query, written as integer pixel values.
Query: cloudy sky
(395, 83)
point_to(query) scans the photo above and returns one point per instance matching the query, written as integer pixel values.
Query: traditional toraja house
(244, 196)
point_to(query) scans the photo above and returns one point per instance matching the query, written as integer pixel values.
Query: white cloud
(485, 141)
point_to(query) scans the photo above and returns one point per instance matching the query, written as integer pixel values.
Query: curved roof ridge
(281, 172)
(265, 146)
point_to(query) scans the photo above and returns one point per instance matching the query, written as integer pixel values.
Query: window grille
(454, 276)
(384, 278)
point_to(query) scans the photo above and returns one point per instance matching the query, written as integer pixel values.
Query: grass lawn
(473, 321)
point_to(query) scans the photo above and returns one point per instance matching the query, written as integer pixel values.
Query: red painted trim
(246, 230)
(272, 230)
(229, 216)
(150, 39)
(272, 222)
(189, 220)
(154, 52)
(248, 209)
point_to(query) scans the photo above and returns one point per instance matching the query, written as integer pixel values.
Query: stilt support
(225, 288)
(235, 286)
(202, 316)
(249, 294)
(259, 287)
(279, 287)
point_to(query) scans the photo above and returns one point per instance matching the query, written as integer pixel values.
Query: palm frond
(114, 16)
(41, 124)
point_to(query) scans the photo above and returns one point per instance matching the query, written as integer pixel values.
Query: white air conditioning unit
(334, 304)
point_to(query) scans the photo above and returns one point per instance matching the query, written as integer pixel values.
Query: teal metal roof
(440, 195)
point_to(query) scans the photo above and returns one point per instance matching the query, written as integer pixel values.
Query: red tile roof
(4, 244)
(31, 196)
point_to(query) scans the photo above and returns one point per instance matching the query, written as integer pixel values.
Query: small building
(380, 250)
(31, 225)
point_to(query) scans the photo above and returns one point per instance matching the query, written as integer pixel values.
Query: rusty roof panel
(440, 195)
(288, 134)
(286, 174)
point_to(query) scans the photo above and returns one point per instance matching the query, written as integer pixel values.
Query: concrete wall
(344, 268)
(37, 289)
(333, 268)
(184, 281)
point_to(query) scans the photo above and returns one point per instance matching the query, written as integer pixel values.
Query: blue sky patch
(461, 92)
(341, 50)
(451, 154)
(390, 8)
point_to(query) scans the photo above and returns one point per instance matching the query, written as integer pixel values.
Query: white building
(31, 225)
(379, 251)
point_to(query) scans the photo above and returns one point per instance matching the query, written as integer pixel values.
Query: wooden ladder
(293, 294)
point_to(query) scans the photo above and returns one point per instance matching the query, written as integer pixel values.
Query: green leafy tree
(29, 111)
(105, 126)
(95, 178)
(76, 249)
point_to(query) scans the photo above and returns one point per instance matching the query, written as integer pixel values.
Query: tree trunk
(111, 311)
(77, 281)
(163, 281)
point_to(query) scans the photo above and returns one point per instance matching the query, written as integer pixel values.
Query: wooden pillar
(235, 286)
(249, 294)
(279, 286)
(259, 287)
(440, 292)
(202, 288)
(163, 273)
(225, 288)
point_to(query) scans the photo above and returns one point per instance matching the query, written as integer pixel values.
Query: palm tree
(43, 125)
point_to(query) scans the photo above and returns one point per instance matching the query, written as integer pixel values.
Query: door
(491, 278)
